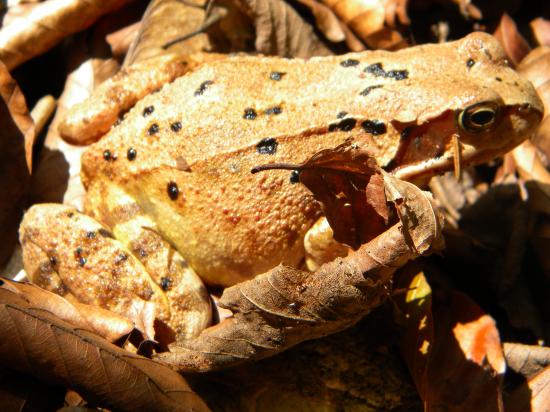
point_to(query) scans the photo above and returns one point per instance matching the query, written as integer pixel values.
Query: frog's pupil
(173, 190)
(482, 117)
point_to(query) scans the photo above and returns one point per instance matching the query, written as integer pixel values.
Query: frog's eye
(478, 117)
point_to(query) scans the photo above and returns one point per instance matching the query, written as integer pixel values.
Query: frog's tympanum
(174, 175)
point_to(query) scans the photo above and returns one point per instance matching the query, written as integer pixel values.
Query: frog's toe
(73, 255)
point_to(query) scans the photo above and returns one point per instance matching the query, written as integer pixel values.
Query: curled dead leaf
(47, 23)
(451, 347)
(515, 46)
(541, 30)
(37, 343)
(16, 143)
(374, 22)
(279, 29)
(527, 360)
(163, 22)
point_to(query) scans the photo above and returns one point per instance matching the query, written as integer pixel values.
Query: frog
(173, 177)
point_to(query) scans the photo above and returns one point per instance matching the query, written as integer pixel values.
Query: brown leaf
(279, 29)
(165, 21)
(374, 22)
(120, 40)
(533, 396)
(527, 360)
(46, 24)
(541, 30)
(100, 321)
(20, 392)
(16, 143)
(36, 342)
(348, 183)
(515, 46)
(325, 20)
(57, 174)
(452, 349)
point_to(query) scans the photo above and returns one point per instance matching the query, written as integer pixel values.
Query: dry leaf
(374, 22)
(165, 21)
(541, 31)
(37, 343)
(451, 347)
(533, 396)
(280, 30)
(16, 143)
(527, 360)
(120, 40)
(325, 20)
(19, 392)
(57, 174)
(46, 24)
(515, 46)
(415, 307)
(95, 319)
(280, 308)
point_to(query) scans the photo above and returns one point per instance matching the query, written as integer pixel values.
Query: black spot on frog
(274, 110)
(377, 70)
(267, 146)
(165, 283)
(173, 191)
(153, 129)
(470, 63)
(176, 126)
(131, 154)
(374, 127)
(249, 114)
(345, 125)
(369, 89)
(148, 110)
(276, 76)
(90, 234)
(341, 115)
(202, 88)
(294, 177)
(349, 63)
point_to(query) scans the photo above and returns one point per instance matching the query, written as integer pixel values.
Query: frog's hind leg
(189, 301)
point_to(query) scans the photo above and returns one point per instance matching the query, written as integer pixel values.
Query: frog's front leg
(140, 276)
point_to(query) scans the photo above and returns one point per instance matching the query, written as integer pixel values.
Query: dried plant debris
(102, 373)
(16, 141)
(46, 24)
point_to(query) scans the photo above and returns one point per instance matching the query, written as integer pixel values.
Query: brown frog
(173, 178)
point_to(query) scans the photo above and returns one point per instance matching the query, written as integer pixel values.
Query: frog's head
(481, 112)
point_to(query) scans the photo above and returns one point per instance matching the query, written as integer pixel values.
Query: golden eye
(478, 117)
